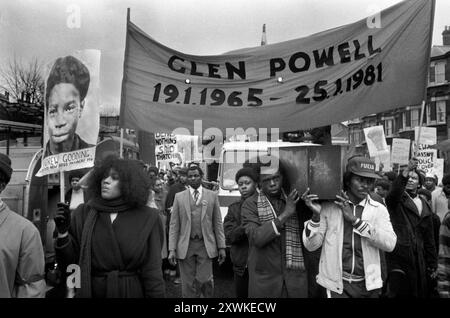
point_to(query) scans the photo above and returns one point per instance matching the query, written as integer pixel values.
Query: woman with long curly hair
(114, 237)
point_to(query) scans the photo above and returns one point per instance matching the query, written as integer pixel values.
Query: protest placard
(427, 159)
(71, 112)
(400, 151)
(376, 141)
(166, 150)
(427, 137)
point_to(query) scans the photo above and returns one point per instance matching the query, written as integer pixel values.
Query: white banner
(324, 78)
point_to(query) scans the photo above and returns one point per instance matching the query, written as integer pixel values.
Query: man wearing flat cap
(67, 87)
(352, 231)
(21, 253)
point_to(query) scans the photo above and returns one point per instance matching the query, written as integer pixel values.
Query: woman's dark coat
(415, 250)
(125, 259)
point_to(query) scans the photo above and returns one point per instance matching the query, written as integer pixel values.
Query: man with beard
(352, 231)
(415, 253)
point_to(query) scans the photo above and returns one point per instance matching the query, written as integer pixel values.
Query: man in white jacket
(351, 231)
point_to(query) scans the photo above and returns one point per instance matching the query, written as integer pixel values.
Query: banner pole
(61, 186)
(422, 110)
(121, 143)
(430, 43)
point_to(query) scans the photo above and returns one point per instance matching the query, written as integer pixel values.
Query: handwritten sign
(400, 151)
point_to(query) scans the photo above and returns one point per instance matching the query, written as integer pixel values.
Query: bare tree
(23, 80)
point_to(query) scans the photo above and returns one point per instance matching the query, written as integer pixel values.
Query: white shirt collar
(200, 190)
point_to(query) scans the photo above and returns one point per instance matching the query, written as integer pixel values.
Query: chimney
(7, 95)
(446, 36)
(263, 38)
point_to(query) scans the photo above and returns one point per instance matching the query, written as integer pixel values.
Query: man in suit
(196, 236)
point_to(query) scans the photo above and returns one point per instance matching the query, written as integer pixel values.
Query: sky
(47, 29)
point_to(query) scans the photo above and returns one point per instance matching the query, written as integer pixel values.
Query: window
(441, 112)
(447, 72)
(440, 72)
(389, 127)
(355, 137)
(431, 113)
(432, 74)
(415, 117)
(400, 122)
(407, 119)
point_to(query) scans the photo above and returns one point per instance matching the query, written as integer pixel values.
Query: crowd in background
(133, 226)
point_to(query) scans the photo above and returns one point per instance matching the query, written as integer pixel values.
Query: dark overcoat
(415, 250)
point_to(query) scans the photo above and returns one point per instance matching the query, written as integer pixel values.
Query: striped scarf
(294, 255)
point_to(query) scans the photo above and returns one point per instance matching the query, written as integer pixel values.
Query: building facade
(400, 122)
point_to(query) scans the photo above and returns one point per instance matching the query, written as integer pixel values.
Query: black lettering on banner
(344, 52)
(358, 56)
(252, 92)
(170, 64)
(234, 100)
(293, 60)
(212, 70)
(367, 76)
(324, 58)
(194, 69)
(358, 78)
(217, 96)
(320, 91)
(303, 91)
(338, 87)
(171, 91)
(231, 69)
(251, 97)
(369, 79)
(203, 96)
(372, 51)
(157, 91)
(276, 65)
(187, 95)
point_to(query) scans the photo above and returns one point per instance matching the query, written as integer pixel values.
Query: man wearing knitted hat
(67, 87)
(21, 253)
(351, 231)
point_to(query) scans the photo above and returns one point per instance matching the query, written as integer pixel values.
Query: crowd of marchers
(132, 228)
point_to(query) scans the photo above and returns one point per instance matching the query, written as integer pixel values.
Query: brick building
(400, 122)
